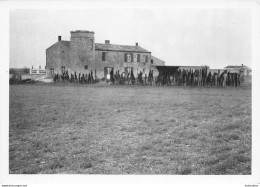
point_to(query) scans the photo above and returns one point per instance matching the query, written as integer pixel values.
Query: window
(138, 57)
(42, 71)
(86, 67)
(91, 44)
(151, 61)
(107, 71)
(128, 58)
(62, 69)
(33, 71)
(135, 57)
(145, 58)
(52, 71)
(128, 70)
(103, 56)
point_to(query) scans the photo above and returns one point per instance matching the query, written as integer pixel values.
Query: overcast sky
(213, 37)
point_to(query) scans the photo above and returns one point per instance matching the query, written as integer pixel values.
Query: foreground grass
(129, 130)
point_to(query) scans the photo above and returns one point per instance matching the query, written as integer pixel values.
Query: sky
(181, 36)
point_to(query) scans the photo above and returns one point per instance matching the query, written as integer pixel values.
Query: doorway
(107, 71)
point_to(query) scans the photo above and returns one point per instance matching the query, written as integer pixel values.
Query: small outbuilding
(243, 70)
(245, 73)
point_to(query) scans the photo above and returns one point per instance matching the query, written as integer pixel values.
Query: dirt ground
(102, 129)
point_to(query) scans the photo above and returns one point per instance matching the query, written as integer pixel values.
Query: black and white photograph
(149, 88)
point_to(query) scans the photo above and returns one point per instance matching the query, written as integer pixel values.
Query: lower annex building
(82, 55)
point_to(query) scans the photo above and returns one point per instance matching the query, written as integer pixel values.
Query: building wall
(246, 72)
(57, 56)
(116, 59)
(157, 61)
(82, 51)
(243, 71)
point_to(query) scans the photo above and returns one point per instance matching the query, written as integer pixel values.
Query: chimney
(136, 44)
(59, 38)
(107, 42)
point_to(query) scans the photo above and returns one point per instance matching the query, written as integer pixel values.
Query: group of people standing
(79, 78)
(199, 77)
(128, 78)
(179, 77)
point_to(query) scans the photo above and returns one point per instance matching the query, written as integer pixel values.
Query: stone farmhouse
(82, 55)
(244, 70)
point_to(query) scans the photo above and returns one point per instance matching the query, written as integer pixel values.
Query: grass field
(98, 129)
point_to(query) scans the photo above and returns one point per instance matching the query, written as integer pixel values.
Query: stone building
(37, 71)
(243, 70)
(156, 61)
(245, 73)
(82, 55)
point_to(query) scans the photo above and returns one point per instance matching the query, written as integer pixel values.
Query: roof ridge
(119, 44)
(118, 47)
(110, 47)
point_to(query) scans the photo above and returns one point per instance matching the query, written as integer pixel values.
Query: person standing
(224, 79)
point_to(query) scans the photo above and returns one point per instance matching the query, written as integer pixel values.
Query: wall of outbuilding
(57, 56)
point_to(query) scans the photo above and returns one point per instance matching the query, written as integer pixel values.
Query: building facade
(82, 55)
(243, 70)
(37, 71)
(156, 61)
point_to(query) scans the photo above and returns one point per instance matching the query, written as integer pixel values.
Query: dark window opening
(91, 44)
(128, 70)
(103, 56)
(151, 61)
(138, 57)
(86, 67)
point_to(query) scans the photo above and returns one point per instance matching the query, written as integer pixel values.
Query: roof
(67, 43)
(153, 57)
(81, 31)
(238, 67)
(167, 68)
(126, 48)
(110, 47)
(194, 66)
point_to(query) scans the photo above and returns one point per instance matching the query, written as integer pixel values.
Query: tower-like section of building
(82, 51)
